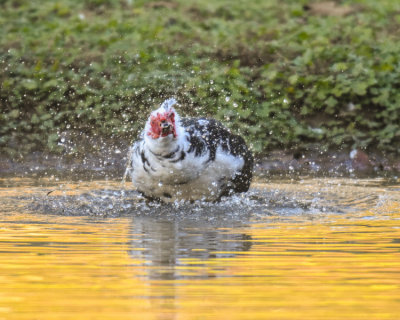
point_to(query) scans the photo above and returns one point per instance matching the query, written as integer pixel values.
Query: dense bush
(282, 73)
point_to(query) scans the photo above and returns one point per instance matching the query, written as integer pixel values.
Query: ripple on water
(274, 252)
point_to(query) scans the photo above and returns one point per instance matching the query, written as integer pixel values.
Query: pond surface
(288, 249)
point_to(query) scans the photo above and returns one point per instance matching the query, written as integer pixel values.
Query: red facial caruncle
(162, 125)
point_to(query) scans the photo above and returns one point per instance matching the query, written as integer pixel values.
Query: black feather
(207, 134)
(146, 161)
(182, 156)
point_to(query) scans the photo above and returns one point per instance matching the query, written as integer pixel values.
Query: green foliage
(278, 73)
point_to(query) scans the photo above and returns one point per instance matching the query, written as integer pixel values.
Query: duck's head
(163, 121)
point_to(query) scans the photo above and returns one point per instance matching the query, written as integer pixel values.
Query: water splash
(279, 199)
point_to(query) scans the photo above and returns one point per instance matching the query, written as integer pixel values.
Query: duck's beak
(166, 128)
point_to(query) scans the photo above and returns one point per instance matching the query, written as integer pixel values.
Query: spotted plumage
(189, 159)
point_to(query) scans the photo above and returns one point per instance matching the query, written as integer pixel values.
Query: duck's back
(211, 137)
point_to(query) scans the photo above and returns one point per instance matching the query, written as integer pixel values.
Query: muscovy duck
(188, 158)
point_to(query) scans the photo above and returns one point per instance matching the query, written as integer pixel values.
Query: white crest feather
(167, 104)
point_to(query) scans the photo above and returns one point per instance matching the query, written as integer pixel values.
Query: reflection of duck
(164, 243)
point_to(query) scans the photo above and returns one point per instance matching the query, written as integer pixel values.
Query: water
(289, 249)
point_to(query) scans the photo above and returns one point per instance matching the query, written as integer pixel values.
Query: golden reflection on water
(334, 266)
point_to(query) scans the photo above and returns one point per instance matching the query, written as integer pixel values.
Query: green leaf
(360, 88)
(29, 84)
